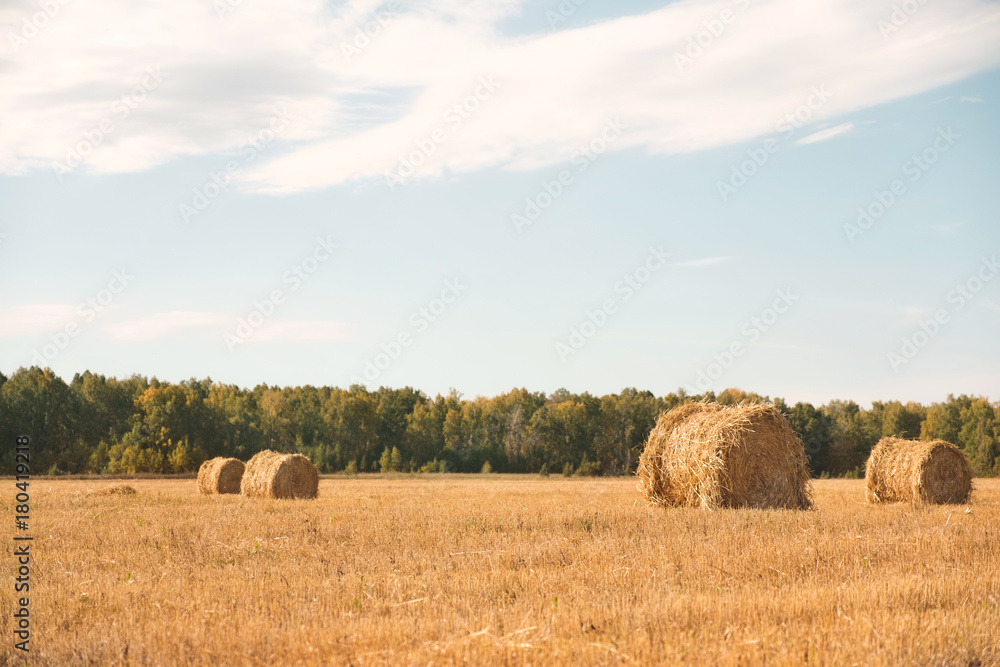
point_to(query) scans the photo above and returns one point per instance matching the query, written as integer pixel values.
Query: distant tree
(980, 436)
(814, 428)
(901, 421)
(396, 460)
(394, 406)
(100, 424)
(943, 421)
(39, 404)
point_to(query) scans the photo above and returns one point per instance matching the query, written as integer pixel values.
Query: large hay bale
(918, 472)
(272, 475)
(220, 475)
(709, 455)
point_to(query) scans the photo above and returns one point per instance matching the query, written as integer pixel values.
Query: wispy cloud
(946, 228)
(975, 100)
(225, 79)
(708, 261)
(159, 325)
(37, 318)
(828, 133)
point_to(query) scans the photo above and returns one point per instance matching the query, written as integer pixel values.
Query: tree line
(96, 424)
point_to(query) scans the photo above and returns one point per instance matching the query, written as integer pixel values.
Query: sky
(796, 200)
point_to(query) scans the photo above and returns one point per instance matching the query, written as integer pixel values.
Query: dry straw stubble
(270, 474)
(917, 471)
(114, 490)
(220, 475)
(713, 456)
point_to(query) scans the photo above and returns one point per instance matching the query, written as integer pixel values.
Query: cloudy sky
(799, 200)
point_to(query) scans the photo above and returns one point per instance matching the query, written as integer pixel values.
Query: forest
(104, 425)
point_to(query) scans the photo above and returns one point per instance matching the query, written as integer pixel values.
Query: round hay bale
(220, 475)
(713, 456)
(272, 475)
(918, 472)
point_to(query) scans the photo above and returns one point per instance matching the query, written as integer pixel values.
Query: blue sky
(495, 194)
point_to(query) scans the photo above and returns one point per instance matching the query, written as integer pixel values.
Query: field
(490, 569)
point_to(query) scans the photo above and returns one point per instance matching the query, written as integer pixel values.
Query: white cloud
(37, 318)
(159, 325)
(974, 100)
(555, 91)
(828, 133)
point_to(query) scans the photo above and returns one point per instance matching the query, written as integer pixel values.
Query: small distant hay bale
(272, 475)
(714, 456)
(918, 472)
(115, 490)
(220, 475)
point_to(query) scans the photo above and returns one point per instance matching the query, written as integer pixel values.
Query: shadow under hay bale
(713, 456)
(918, 472)
(272, 475)
(220, 475)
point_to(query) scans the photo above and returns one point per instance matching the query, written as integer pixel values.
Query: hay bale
(220, 475)
(712, 456)
(272, 475)
(918, 472)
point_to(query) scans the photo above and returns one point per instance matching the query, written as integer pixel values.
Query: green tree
(814, 427)
(979, 436)
(40, 405)
(943, 421)
(396, 460)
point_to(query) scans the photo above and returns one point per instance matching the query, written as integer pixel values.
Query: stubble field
(490, 569)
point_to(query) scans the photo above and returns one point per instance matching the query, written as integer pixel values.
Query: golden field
(491, 569)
